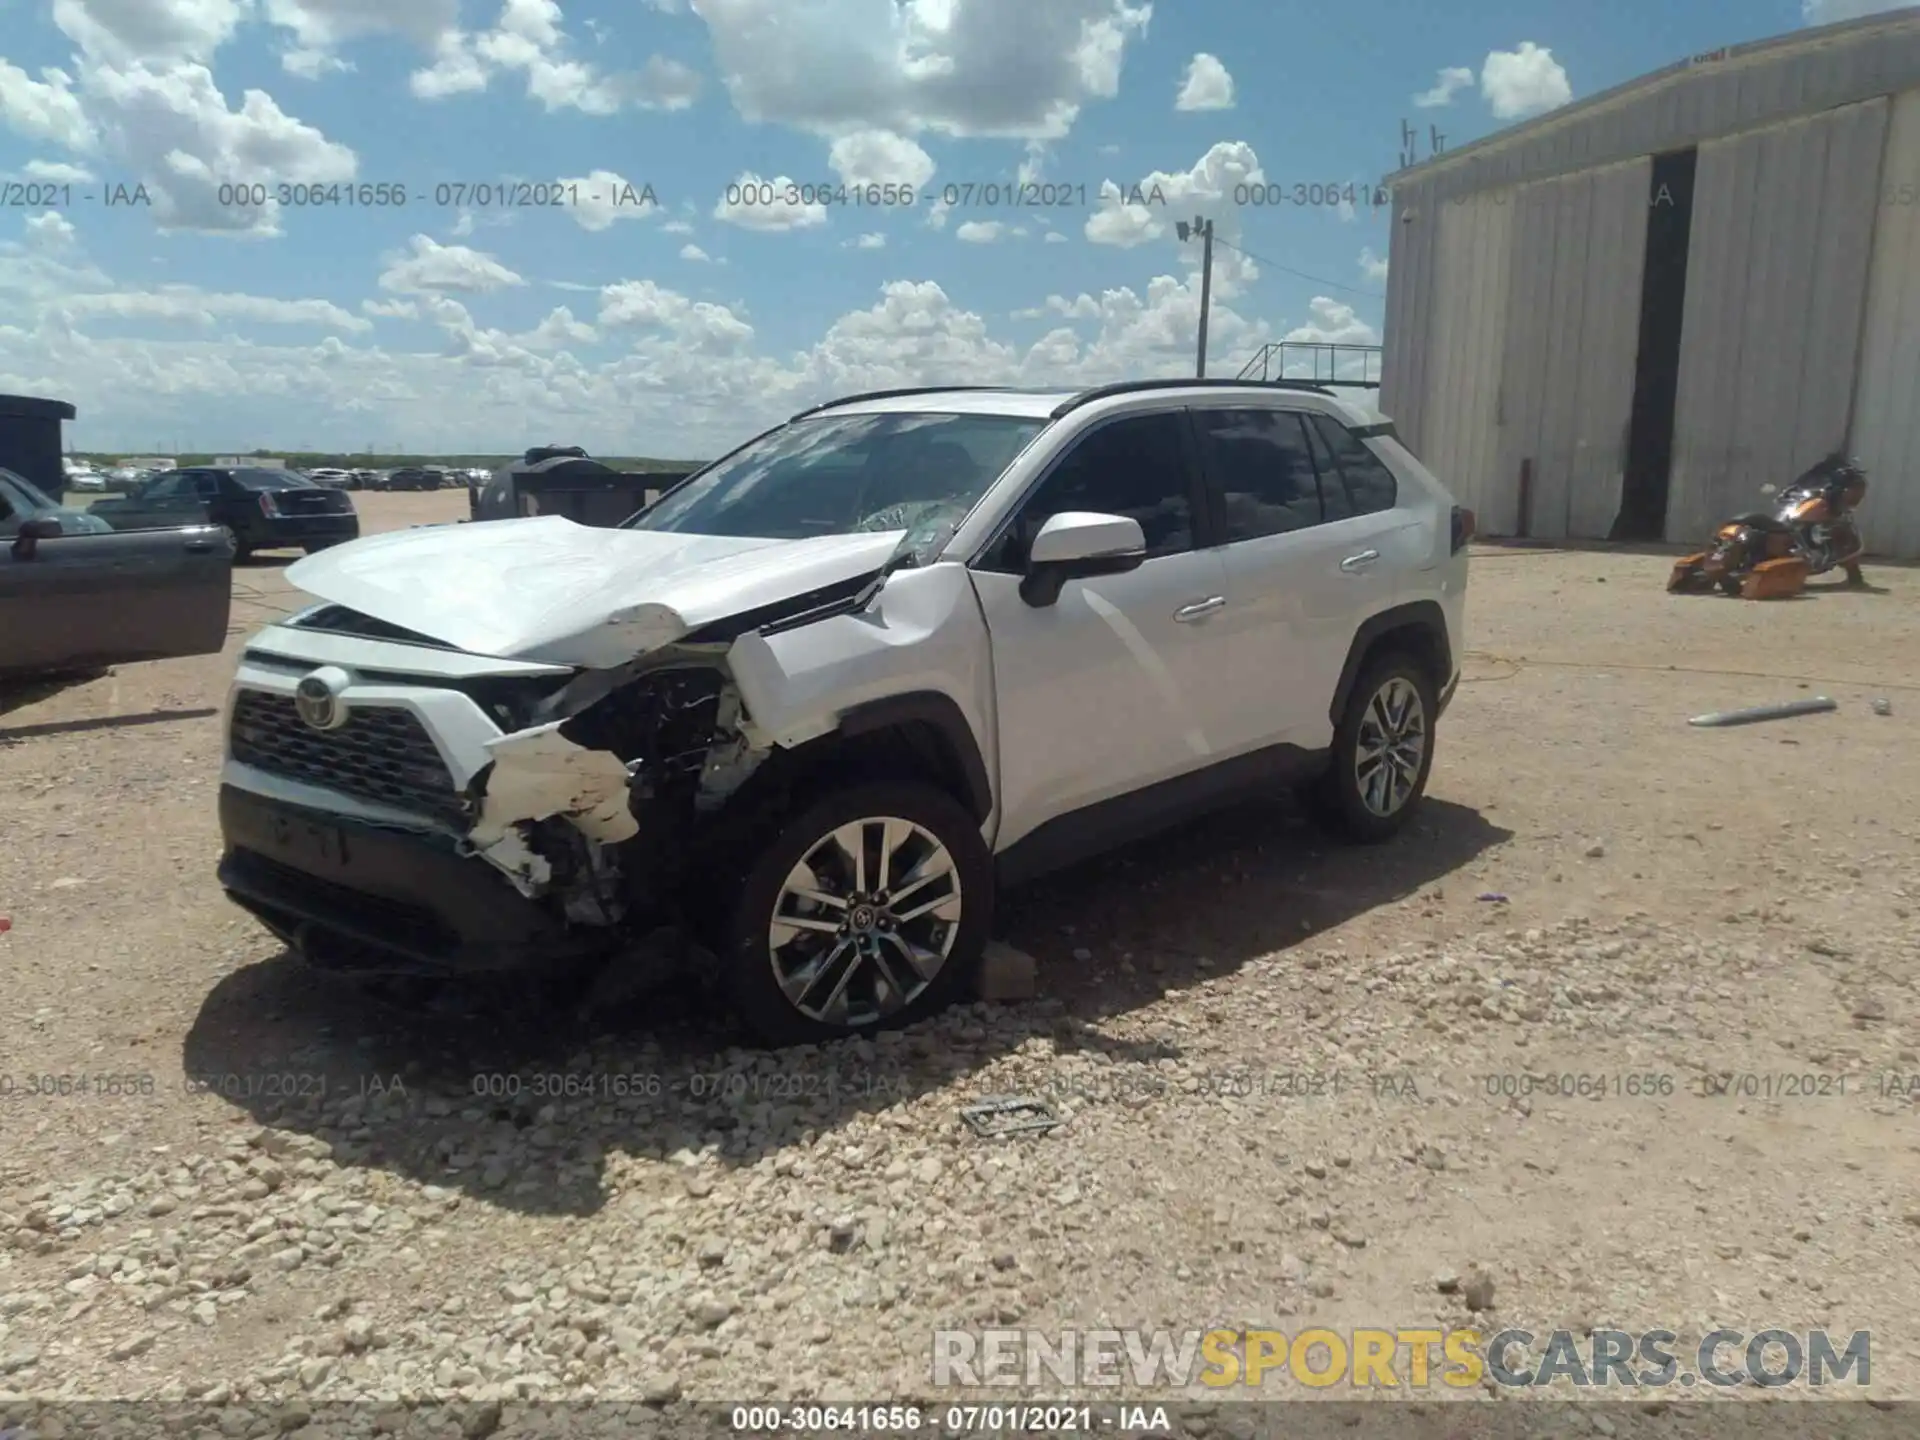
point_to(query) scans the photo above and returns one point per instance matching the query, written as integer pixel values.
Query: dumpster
(565, 480)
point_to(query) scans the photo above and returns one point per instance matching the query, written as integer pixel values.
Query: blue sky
(672, 329)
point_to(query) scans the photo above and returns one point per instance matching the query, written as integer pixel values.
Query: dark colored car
(76, 594)
(265, 509)
(415, 477)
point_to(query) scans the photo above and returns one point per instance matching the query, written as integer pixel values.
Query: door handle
(1360, 561)
(1200, 609)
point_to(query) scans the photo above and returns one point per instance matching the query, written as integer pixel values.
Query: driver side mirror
(1076, 545)
(26, 543)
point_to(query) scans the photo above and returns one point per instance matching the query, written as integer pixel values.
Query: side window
(10, 515)
(172, 487)
(1368, 479)
(1260, 465)
(1335, 502)
(206, 485)
(1135, 467)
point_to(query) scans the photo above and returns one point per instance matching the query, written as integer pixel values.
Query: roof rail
(1133, 387)
(893, 395)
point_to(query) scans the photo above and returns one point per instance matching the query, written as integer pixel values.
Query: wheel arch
(1418, 627)
(920, 734)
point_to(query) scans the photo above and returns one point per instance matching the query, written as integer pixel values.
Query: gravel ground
(1300, 1084)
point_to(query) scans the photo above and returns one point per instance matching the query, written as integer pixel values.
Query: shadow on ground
(524, 1116)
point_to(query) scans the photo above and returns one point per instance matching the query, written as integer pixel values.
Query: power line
(1300, 274)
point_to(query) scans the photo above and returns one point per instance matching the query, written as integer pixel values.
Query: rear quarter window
(1369, 482)
(270, 480)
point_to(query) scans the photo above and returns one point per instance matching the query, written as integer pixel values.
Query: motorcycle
(1767, 554)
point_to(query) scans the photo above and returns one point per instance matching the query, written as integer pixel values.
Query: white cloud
(1032, 165)
(694, 253)
(53, 172)
(676, 227)
(206, 308)
(872, 240)
(769, 205)
(959, 67)
(937, 214)
(880, 157)
(391, 309)
(557, 330)
(1081, 307)
(44, 109)
(142, 98)
(1829, 12)
(1447, 84)
(980, 232)
(1524, 81)
(1138, 213)
(1334, 323)
(1054, 237)
(125, 33)
(1207, 85)
(432, 267)
(700, 326)
(49, 230)
(598, 199)
(528, 40)
(1372, 266)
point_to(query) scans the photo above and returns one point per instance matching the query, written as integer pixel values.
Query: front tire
(868, 909)
(1382, 752)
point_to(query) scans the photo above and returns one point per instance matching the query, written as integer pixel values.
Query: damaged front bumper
(352, 896)
(434, 820)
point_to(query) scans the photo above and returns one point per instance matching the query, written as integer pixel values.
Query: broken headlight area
(592, 813)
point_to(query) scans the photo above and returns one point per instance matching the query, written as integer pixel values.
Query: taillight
(1462, 528)
(269, 507)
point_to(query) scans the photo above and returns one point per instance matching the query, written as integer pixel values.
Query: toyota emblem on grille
(317, 698)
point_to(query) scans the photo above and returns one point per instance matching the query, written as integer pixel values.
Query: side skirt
(1110, 824)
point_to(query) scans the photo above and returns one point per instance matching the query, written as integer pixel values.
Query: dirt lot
(1306, 1085)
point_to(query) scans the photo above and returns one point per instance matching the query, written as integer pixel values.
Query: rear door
(1298, 566)
(1388, 540)
(87, 600)
(166, 503)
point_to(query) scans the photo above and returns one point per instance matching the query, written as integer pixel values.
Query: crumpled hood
(549, 590)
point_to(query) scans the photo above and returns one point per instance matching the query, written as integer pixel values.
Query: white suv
(826, 696)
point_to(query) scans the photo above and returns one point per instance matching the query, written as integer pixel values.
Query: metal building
(1621, 319)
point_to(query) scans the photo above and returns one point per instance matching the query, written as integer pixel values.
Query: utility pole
(1204, 229)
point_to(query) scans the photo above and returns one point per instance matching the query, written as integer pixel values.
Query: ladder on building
(1320, 361)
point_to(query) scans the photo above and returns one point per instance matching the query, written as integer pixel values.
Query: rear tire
(1382, 752)
(870, 953)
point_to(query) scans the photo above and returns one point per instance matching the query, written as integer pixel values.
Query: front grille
(383, 754)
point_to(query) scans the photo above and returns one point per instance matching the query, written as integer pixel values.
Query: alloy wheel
(865, 921)
(1391, 747)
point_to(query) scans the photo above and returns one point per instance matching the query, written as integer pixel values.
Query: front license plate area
(311, 845)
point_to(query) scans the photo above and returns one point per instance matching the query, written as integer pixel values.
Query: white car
(86, 482)
(828, 696)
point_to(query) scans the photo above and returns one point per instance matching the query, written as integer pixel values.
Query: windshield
(26, 496)
(839, 474)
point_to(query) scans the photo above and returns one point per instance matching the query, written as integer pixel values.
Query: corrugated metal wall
(1886, 411)
(1463, 360)
(1763, 84)
(1776, 279)
(1578, 247)
(1409, 315)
